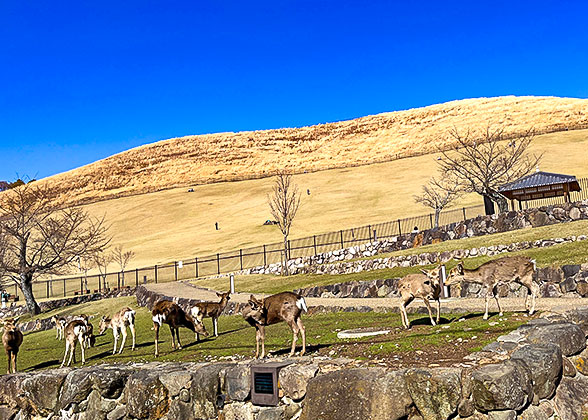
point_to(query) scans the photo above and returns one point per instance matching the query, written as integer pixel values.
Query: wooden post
(341, 233)
(47, 282)
(241, 258)
(399, 228)
(431, 219)
(375, 236)
(218, 263)
(137, 276)
(369, 231)
(64, 294)
(314, 244)
(196, 261)
(82, 285)
(464, 214)
(264, 257)
(176, 270)
(118, 279)
(155, 273)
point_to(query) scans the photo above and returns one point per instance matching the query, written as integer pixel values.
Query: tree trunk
(437, 214)
(26, 286)
(488, 205)
(286, 256)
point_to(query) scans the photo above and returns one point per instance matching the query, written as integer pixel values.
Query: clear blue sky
(83, 80)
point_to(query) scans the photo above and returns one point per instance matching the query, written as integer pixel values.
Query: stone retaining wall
(565, 281)
(535, 372)
(479, 226)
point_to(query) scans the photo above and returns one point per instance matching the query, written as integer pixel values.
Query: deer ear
(425, 272)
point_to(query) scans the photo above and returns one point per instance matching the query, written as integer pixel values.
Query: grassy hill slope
(221, 157)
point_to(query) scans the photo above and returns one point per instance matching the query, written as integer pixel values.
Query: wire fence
(226, 262)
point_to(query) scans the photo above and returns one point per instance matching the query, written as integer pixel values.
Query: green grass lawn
(41, 350)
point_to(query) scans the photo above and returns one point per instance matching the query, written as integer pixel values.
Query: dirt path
(185, 290)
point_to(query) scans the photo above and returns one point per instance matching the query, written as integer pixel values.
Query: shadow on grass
(43, 365)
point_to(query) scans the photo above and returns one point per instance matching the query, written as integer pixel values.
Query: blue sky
(83, 80)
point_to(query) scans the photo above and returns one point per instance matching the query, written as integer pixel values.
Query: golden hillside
(219, 157)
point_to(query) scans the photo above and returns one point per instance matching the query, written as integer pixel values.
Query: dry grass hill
(212, 158)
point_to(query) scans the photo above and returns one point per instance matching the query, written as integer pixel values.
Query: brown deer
(504, 270)
(75, 330)
(167, 312)
(212, 310)
(285, 306)
(119, 323)
(11, 339)
(425, 285)
(59, 325)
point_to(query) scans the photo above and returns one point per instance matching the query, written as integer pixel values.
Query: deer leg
(14, 356)
(115, 335)
(262, 336)
(294, 328)
(64, 356)
(403, 313)
(8, 358)
(82, 339)
(123, 330)
(303, 334)
(178, 337)
(132, 327)
(534, 294)
(257, 338)
(495, 293)
(72, 352)
(438, 309)
(215, 326)
(171, 329)
(487, 303)
(156, 327)
(428, 305)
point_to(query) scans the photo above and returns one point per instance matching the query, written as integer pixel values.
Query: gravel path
(185, 290)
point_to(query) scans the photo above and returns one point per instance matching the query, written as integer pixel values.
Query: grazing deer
(167, 312)
(285, 306)
(75, 330)
(425, 285)
(59, 325)
(501, 271)
(119, 323)
(11, 339)
(212, 310)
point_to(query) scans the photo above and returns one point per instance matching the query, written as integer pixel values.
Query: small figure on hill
(4, 297)
(216, 225)
(308, 191)
(415, 230)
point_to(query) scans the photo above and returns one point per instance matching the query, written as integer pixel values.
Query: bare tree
(438, 194)
(38, 238)
(485, 162)
(284, 201)
(122, 258)
(102, 260)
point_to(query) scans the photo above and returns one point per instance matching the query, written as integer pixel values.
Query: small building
(539, 185)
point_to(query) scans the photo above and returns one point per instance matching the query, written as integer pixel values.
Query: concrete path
(188, 291)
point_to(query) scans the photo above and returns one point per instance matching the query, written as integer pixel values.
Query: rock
(466, 408)
(271, 413)
(238, 382)
(545, 364)
(582, 288)
(110, 380)
(549, 290)
(176, 381)
(436, 392)
(294, 379)
(76, 387)
(357, 394)
(539, 218)
(533, 413)
(502, 415)
(569, 337)
(42, 389)
(7, 412)
(571, 395)
(581, 362)
(205, 387)
(568, 368)
(146, 396)
(568, 285)
(239, 411)
(570, 270)
(550, 275)
(575, 213)
(117, 413)
(501, 386)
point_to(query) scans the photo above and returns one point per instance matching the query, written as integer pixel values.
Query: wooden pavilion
(539, 185)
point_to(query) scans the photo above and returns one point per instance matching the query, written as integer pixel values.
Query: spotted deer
(59, 326)
(167, 312)
(212, 310)
(285, 306)
(119, 323)
(425, 285)
(75, 331)
(490, 275)
(11, 339)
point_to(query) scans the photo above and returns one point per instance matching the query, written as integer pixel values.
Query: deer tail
(301, 304)
(534, 264)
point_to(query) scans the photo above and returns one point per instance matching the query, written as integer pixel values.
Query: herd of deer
(282, 307)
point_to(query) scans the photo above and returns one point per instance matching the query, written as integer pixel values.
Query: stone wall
(479, 226)
(566, 281)
(535, 372)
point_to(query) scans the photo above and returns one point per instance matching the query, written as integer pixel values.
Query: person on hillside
(415, 230)
(4, 298)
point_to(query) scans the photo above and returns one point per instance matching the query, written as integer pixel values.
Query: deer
(424, 285)
(11, 339)
(505, 270)
(119, 323)
(59, 326)
(75, 330)
(167, 312)
(285, 306)
(212, 310)
(61, 321)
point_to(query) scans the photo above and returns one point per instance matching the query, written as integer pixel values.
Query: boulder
(373, 394)
(238, 411)
(76, 387)
(533, 413)
(502, 415)
(568, 368)
(545, 364)
(550, 275)
(271, 413)
(570, 338)
(205, 390)
(568, 285)
(238, 382)
(570, 270)
(146, 396)
(501, 386)
(575, 213)
(10, 390)
(571, 395)
(582, 288)
(581, 362)
(42, 389)
(436, 392)
(294, 379)
(176, 381)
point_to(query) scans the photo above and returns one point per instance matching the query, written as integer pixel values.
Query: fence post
(81, 286)
(47, 282)
(314, 243)
(155, 273)
(176, 270)
(137, 276)
(118, 279)
(375, 235)
(218, 263)
(241, 258)
(289, 256)
(464, 214)
(399, 228)
(369, 232)
(264, 256)
(431, 219)
(64, 288)
(341, 233)
(196, 261)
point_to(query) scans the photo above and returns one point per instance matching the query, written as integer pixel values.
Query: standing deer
(59, 325)
(285, 306)
(11, 339)
(119, 323)
(75, 330)
(212, 310)
(167, 312)
(425, 285)
(504, 270)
